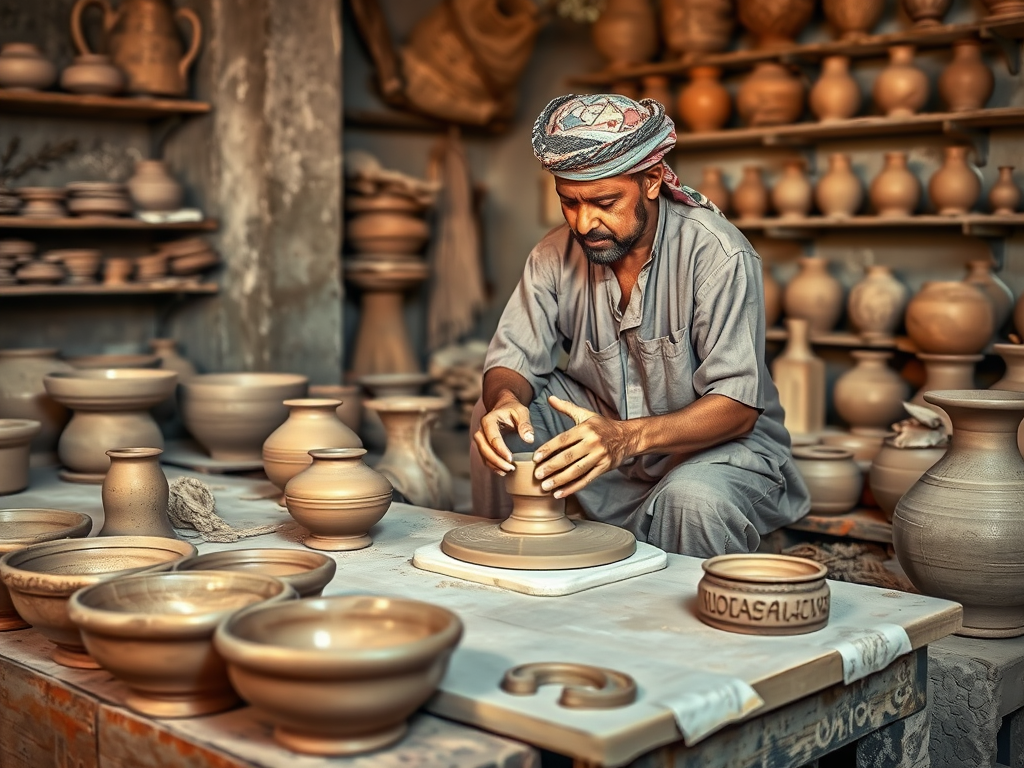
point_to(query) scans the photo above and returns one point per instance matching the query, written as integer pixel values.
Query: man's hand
(508, 414)
(596, 445)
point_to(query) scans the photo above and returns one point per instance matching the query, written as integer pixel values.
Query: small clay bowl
(834, 480)
(89, 362)
(305, 572)
(20, 528)
(42, 577)
(338, 675)
(154, 632)
(759, 594)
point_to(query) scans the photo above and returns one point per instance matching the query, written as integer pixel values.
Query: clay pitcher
(135, 495)
(143, 39)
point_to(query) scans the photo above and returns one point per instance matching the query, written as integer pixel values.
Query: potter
(665, 420)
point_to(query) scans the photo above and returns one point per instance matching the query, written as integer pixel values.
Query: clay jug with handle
(143, 41)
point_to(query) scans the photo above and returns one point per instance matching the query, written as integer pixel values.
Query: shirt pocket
(666, 363)
(600, 371)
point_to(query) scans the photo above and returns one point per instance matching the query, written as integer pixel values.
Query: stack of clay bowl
(10, 203)
(82, 264)
(386, 225)
(43, 202)
(151, 268)
(45, 270)
(189, 256)
(14, 253)
(98, 198)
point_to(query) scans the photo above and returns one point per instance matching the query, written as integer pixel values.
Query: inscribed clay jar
(926, 13)
(839, 194)
(871, 394)
(800, 378)
(23, 396)
(974, 494)
(853, 20)
(1013, 379)
(901, 89)
(135, 495)
(750, 198)
(704, 103)
(713, 188)
(626, 33)
(956, 186)
(980, 275)
(835, 95)
(792, 194)
(895, 191)
(697, 26)
(949, 318)
(833, 478)
(770, 95)
(15, 437)
(894, 470)
(774, 23)
(966, 83)
(1004, 197)
(876, 303)
(814, 295)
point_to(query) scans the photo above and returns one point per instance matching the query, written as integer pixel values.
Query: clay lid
(20, 528)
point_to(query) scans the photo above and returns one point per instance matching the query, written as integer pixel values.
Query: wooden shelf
(97, 107)
(865, 524)
(101, 222)
(131, 289)
(837, 339)
(974, 224)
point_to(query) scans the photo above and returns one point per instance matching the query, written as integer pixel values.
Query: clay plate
(306, 572)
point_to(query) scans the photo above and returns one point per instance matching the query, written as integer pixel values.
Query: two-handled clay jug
(143, 41)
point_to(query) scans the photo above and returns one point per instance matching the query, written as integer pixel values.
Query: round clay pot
(896, 191)
(792, 195)
(713, 188)
(832, 477)
(926, 13)
(305, 572)
(135, 495)
(626, 33)
(956, 186)
(774, 23)
(814, 295)
(24, 68)
(980, 275)
(839, 193)
(949, 318)
(901, 89)
(871, 394)
(770, 95)
(387, 232)
(92, 73)
(966, 83)
(704, 103)
(894, 470)
(1003, 7)
(1004, 197)
(959, 531)
(338, 499)
(15, 438)
(835, 95)
(772, 296)
(863, 442)
(152, 188)
(351, 409)
(23, 396)
(853, 21)
(750, 198)
(876, 303)
(945, 372)
(1013, 379)
(697, 26)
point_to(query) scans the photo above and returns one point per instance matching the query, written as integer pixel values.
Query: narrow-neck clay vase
(833, 479)
(774, 23)
(23, 396)
(966, 82)
(381, 385)
(15, 438)
(152, 188)
(981, 276)
(835, 95)
(697, 26)
(814, 295)
(853, 20)
(901, 89)
(870, 395)
(945, 372)
(839, 193)
(956, 186)
(959, 531)
(750, 198)
(792, 194)
(770, 95)
(704, 103)
(772, 296)
(895, 470)
(926, 13)
(626, 33)
(712, 186)
(876, 303)
(800, 378)
(135, 495)
(1013, 379)
(895, 191)
(949, 318)
(1004, 197)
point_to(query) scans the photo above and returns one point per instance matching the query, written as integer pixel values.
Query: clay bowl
(89, 362)
(756, 594)
(304, 571)
(104, 388)
(232, 414)
(338, 675)
(20, 528)
(154, 632)
(42, 577)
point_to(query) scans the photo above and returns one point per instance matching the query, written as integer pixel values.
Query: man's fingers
(494, 452)
(573, 411)
(579, 484)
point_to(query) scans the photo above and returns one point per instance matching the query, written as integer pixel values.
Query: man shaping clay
(664, 420)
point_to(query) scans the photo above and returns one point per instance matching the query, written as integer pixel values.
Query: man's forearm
(501, 382)
(706, 422)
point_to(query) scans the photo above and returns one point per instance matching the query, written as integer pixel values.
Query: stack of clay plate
(14, 253)
(189, 256)
(151, 268)
(98, 198)
(43, 202)
(82, 264)
(10, 203)
(40, 272)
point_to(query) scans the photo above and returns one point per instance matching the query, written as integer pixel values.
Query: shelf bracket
(1008, 46)
(978, 139)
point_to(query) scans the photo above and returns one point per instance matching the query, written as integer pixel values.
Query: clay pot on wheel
(775, 23)
(949, 318)
(901, 89)
(704, 103)
(894, 470)
(871, 394)
(895, 191)
(839, 194)
(814, 295)
(876, 304)
(835, 95)
(832, 478)
(966, 83)
(1004, 197)
(771, 95)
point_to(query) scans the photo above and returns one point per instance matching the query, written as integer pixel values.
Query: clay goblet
(305, 572)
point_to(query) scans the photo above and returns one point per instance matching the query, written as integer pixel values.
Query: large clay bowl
(154, 632)
(20, 528)
(232, 414)
(42, 577)
(111, 389)
(115, 361)
(338, 675)
(304, 571)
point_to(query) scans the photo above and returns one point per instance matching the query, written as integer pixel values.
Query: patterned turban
(586, 138)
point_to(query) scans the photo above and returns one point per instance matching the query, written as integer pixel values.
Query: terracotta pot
(92, 73)
(980, 275)
(15, 438)
(1013, 379)
(945, 372)
(713, 188)
(1004, 197)
(770, 95)
(772, 296)
(814, 295)
(626, 33)
(305, 572)
(949, 318)
(775, 23)
(152, 188)
(926, 13)
(832, 478)
(901, 89)
(835, 95)
(799, 376)
(351, 409)
(974, 494)
(871, 394)
(956, 186)
(876, 304)
(792, 195)
(1003, 7)
(839, 193)
(894, 470)
(704, 103)
(853, 20)
(864, 442)
(896, 191)
(23, 396)
(135, 495)
(697, 26)
(657, 88)
(750, 198)
(390, 232)
(24, 68)
(966, 83)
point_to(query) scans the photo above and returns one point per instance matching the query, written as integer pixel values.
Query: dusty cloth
(856, 563)
(192, 507)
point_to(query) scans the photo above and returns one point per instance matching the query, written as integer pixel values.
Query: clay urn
(814, 295)
(750, 198)
(1004, 197)
(901, 89)
(770, 95)
(871, 394)
(657, 88)
(304, 571)
(835, 95)
(23, 396)
(774, 23)
(980, 275)
(135, 495)
(853, 20)
(956, 186)
(24, 68)
(832, 477)
(1013, 379)
(949, 318)
(895, 191)
(839, 193)
(351, 409)
(15, 438)
(876, 303)
(92, 73)
(792, 195)
(945, 372)
(799, 376)
(772, 296)
(626, 33)
(966, 83)
(959, 531)
(713, 187)
(152, 188)
(926, 13)
(894, 470)
(704, 103)
(697, 26)
(998, 8)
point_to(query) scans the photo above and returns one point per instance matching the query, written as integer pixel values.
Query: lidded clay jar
(833, 478)
(876, 303)
(871, 394)
(774, 23)
(626, 33)
(792, 194)
(835, 95)
(814, 295)
(704, 103)
(839, 194)
(750, 198)
(966, 83)
(956, 186)
(713, 187)
(1004, 197)
(901, 89)
(853, 20)
(895, 191)
(949, 318)
(770, 95)
(980, 275)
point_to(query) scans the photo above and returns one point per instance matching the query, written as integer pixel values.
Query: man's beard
(619, 247)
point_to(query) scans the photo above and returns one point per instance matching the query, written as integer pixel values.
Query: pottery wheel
(586, 545)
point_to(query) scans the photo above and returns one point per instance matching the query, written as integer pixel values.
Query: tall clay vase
(626, 33)
(774, 23)
(772, 296)
(876, 304)
(713, 187)
(901, 89)
(704, 103)
(793, 195)
(135, 495)
(956, 186)
(697, 26)
(799, 376)
(814, 295)
(771, 95)
(23, 396)
(409, 461)
(835, 95)
(949, 318)
(926, 13)
(895, 470)
(750, 198)
(966, 83)
(1004, 197)
(980, 275)
(870, 395)
(895, 191)
(959, 531)
(839, 194)
(1013, 379)
(853, 20)
(945, 372)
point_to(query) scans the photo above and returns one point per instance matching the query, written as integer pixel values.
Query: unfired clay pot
(135, 495)
(949, 318)
(771, 95)
(152, 188)
(835, 95)
(704, 103)
(895, 191)
(1013, 379)
(926, 13)
(23, 67)
(956, 186)
(92, 73)
(980, 275)
(799, 376)
(626, 33)
(712, 186)
(945, 372)
(792, 194)
(23, 396)
(966, 83)
(750, 198)
(832, 477)
(772, 296)
(697, 26)
(379, 385)
(839, 193)
(853, 20)
(814, 295)
(15, 438)
(974, 494)
(901, 89)
(894, 470)
(870, 394)
(774, 23)
(1004, 197)
(876, 303)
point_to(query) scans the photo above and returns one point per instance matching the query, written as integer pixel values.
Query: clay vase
(833, 479)
(1003, 7)
(901, 89)
(949, 318)
(1004, 197)
(980, 275)
(409, 461)
(135, 495)
(92, 73)
(1013, 379)
(704, 103)
(312, 423)
(853, 20)
(792, 195)
(771, 95)
(926, 13)
(656, 87)
(338, 499)
(750, 198)
(713, 188)
(876, 304)
(626, 33)
(966, 83)
(800, 378)
(152, 188)
(894, 470)
(774, 23)
(772, 296)
(24, 68)
(697, 26)
(814, 295)
(870, 395)
(959, 531)
(839, 193)
(15, 438)
(896, 191)
(956, 186)
(835, 95)
(23, 396)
